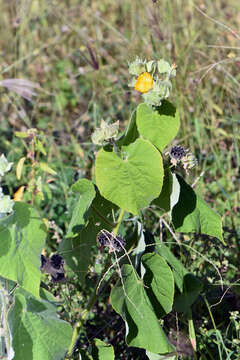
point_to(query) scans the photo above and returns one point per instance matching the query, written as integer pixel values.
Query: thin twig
(234, 32)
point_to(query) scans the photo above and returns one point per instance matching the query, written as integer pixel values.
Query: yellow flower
(144, 82)
(18, 195)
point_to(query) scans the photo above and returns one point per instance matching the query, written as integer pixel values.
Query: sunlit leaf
(85, 193)
(102, 351)
(133, 181)
(36, 329)
(159, 282)
(19, 167)
(21, 243)
(46, 168)
(159, 125)
(143, 328)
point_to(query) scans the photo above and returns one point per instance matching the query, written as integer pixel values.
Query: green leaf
(77, 251)
(159, 282)
(21, 134)
(163, 66)
(134, 181)
(102, 212)
(163, 201)
(159, 126)
(192, 287)
(191, 329)
(188, 285)
(85, 189)
(102, 351)
(143, 328)
(131, 133)
(152, 356)
(40, 147)
(37, 331)
(179, 270)
(192, 214)
(46, 168)
(19, 167)
(20, 247)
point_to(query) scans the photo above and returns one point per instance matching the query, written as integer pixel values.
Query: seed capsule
(177, 152)
(107, 239)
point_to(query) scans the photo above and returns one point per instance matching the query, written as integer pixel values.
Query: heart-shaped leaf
(133, 181)
(160, 125)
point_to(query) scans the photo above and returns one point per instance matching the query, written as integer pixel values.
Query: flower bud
(6, 204)
(105, 132)
(5, 166)
(137, 67)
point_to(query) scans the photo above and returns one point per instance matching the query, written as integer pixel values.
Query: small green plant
(135, 171)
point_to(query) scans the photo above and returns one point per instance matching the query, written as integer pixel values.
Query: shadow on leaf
(166, 108)
(186, 203)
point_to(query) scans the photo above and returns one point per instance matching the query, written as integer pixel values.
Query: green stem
(214, 325)
(115, 230)
(192, 334)
(94, 295)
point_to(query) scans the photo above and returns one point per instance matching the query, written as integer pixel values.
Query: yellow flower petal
(17, 196)
(144, 82)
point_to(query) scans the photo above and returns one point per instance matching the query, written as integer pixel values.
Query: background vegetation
(77, 51)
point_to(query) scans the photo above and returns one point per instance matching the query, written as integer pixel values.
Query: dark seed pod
(54, 266)
(56, 261)
(102, 239)
(118, 243)
(58, 277)
(107, 239)
(177, 152)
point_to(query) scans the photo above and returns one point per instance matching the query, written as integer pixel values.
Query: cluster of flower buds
(152, 79)
(107, 239)
(6, 204)
(54, 266)
(180, 155)
(106, 132)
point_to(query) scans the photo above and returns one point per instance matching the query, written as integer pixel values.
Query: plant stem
(93, 298)
(192, 334)
(115, 230)
(214, 325)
